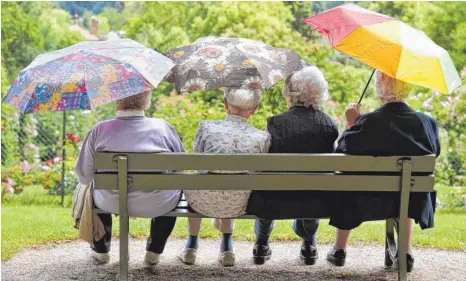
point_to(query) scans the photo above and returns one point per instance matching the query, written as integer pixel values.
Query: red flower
(3, 128)
(72, 138)
(49, 162)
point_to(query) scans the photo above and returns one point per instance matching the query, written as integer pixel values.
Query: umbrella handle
(367, 85)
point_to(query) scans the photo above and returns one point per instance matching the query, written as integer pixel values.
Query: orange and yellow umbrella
(388, 45)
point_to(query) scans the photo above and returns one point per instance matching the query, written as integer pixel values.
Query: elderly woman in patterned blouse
(131, 131)
(232, 135)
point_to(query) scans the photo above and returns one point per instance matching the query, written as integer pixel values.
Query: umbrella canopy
(213, 62)
(86, 75)
(387, 44)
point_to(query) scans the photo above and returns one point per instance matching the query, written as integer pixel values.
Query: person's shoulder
(372, 116)
(280, 116)
(159, 122)
(210, 126)
(426, 117)
(160, 125)
(258, 134)
(102, 125)
(327, 119)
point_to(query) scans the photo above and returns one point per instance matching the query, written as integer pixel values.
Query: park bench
(145, 171)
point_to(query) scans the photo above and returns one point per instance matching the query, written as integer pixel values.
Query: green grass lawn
(25, 226)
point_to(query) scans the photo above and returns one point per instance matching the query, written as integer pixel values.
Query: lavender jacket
(130, 131)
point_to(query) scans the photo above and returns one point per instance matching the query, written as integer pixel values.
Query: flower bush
(47, 174)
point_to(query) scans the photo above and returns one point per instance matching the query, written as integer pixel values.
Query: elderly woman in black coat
(304, 128)
(394, 129)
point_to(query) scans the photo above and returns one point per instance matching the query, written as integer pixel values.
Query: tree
(21, 40)
(114, 18)
(54, 29)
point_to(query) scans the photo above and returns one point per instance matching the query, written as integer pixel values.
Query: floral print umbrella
(213, 62)
(87, 75)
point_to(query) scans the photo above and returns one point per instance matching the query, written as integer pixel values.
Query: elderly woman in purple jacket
(131, 131)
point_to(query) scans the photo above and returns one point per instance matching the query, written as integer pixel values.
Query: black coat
(394, 129)
(299, 130)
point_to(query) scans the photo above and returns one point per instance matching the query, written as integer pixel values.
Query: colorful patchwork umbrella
(213, 62)
(87, 75)
(387, 44)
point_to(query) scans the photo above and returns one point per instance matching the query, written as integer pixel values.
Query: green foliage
(114, 18)
(21, 40)
(53, 29)
(450, 113)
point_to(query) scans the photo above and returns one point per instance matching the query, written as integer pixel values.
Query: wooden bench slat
(325, 182)
(261, 162)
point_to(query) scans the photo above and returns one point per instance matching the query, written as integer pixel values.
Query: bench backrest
(336, 172)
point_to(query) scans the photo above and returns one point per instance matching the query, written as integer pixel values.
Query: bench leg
(124, 220)
(404, 202)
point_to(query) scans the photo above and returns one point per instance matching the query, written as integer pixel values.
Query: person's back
(302, 130)
(131, 131)
(394, 129)
(232, 135)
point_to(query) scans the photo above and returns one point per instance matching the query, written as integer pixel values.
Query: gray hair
(245, 99)
(391, 88)
(306, 87)
(140, 101)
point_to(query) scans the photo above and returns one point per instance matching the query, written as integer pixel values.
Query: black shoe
(261, 253)
(337, 256)
(309, 254)
(409, 262)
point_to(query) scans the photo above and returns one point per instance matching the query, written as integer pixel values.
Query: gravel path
(71, 261)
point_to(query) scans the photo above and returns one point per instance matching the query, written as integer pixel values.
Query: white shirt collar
(121, 113)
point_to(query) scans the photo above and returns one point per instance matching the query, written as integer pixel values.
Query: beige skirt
(218, 203)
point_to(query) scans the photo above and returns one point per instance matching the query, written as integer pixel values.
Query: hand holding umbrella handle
(367, 85)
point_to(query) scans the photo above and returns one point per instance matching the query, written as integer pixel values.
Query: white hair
(391, 88)
(306, 87)
(245, 99)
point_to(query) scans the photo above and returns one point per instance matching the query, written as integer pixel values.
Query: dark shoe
(309, 254)
(337, 256)
(409, 262)
(261, 253)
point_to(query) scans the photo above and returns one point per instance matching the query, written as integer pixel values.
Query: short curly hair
(306, 87)
(245, 99)
(140, 101)
(391, 88)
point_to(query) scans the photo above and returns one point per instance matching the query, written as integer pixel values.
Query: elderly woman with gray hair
(131, 131)
(393, 129)
(232, 135)
(304, 128)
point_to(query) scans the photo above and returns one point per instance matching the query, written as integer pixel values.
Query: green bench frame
(142, 171)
